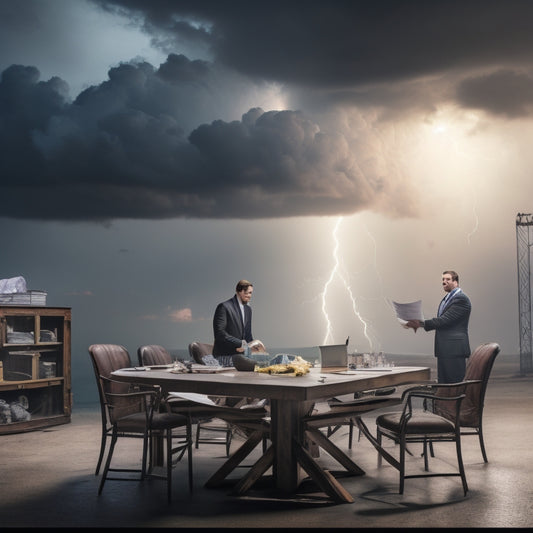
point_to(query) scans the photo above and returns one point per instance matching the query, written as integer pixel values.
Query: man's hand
(414, 324)
(257, 346)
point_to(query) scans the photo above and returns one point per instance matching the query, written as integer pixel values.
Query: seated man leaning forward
(232, 324)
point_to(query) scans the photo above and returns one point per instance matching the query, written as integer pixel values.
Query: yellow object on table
(297, 367)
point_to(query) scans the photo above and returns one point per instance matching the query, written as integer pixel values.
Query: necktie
(443, 302)
(441, 306)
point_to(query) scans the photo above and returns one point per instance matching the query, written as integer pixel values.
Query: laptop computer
(334, 356)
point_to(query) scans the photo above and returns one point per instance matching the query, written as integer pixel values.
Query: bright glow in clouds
(452, 156)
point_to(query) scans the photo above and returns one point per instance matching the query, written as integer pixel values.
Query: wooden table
(290, 398)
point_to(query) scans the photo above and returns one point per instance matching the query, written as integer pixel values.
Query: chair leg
(169, 464)
(482, 444)
(379, 443)
(189, 457)
(460, 463)
(350, 435)
(107, 463)
(229, 436)
(102, 450)
(182, 449)
(402, 464)
(332, 430)
(431, 451)
(197, 441)
(147, 454)
(425, 454)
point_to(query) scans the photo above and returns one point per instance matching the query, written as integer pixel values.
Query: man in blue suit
(452, 345)
(232, 323)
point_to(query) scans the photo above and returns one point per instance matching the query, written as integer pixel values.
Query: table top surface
(317, 384)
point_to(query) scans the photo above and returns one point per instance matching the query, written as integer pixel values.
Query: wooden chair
(116, 357)
(421, 424)
(153, 354)
(197, 350)
(133, 412)
(478, 369)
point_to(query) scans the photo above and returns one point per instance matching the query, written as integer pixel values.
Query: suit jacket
(451, 328)
(228, 328)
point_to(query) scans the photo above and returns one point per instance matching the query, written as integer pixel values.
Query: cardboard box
(24, 298)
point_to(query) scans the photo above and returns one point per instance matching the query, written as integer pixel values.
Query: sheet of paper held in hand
(408, 311)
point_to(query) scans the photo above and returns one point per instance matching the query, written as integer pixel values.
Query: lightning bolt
(336, 272)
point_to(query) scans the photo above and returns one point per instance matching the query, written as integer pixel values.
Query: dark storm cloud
(157, 142)
(344, 42)
(123, 150)
(505, 92)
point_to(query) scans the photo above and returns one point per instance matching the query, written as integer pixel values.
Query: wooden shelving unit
(35, 369)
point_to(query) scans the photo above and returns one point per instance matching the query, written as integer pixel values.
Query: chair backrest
(198, 349)
(107, 358)
(153, 354)
(479, 367)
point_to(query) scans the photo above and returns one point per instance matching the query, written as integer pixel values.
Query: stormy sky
(338, 154)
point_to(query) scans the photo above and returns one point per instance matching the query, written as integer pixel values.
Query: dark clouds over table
(149, 142)
(344, 42)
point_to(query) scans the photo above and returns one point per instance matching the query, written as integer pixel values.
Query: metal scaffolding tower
(523, 246)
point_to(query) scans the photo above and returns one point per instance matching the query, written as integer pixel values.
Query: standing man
(232, 323)
(452, 345)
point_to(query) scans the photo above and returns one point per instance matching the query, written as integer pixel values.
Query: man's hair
(243, 285)
(453, 274)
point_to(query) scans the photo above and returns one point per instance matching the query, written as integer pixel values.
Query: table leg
(323, 478)
(335, 452)
(288, 438)
(235, 459)
(285, 435)
(259, 468)
(284, 426)
(288, 456)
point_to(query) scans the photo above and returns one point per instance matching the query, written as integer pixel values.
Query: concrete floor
(47, 480)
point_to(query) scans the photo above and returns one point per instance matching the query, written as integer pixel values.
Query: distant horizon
(274, 351)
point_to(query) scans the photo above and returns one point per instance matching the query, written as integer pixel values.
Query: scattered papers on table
(193, 397)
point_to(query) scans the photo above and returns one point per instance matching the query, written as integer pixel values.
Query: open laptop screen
(334, 356)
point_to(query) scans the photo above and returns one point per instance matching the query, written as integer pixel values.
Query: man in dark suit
(232, 323)
(452, 345)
